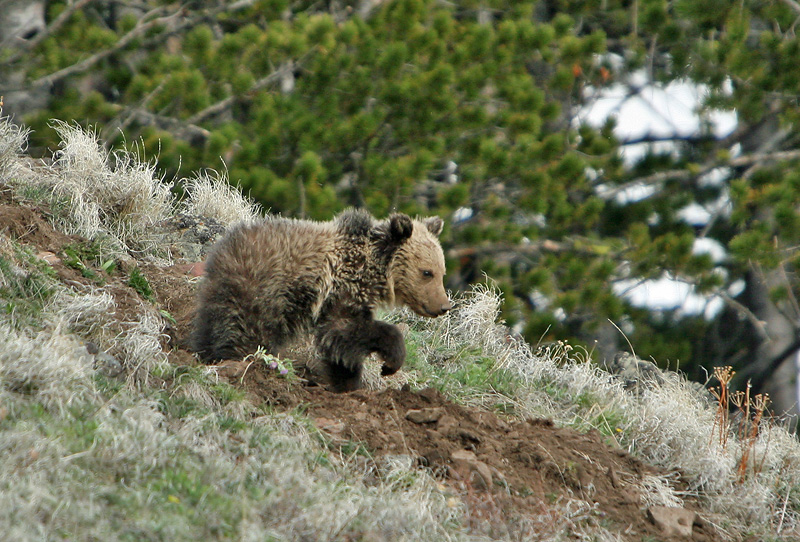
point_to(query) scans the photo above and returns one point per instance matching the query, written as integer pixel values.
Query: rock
(49, 257)
(470, 468)
(635, 373)
(673, 521)
(431, 395)
(332, 427)
(104, 363)
(446, 424)
(614, 478)
(425, 415)
(638, 375)
(469, 436)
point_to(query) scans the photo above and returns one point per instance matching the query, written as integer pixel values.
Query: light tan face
(418, 271)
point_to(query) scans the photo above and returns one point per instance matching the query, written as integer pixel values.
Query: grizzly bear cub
(267, 283)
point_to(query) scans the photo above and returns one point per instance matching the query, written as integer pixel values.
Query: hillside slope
(110, 429)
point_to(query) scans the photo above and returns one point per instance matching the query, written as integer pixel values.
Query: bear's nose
(446, 307)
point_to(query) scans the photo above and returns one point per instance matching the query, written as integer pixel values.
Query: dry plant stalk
(751, 410)
(748, 431)
(722, 394)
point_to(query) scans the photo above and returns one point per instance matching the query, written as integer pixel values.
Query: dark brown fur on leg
(343, 343)
(342, 379)
(391, 347)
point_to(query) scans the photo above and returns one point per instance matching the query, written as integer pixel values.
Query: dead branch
(58, 22)
(226, 103)
(183, 130)
(140, 29)
(180, 19)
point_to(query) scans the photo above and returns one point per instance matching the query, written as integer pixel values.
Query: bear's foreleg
(343, 344)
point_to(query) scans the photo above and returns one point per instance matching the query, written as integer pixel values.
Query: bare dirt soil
(505, 470)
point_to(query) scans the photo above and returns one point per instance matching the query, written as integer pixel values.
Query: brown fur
(268, 283)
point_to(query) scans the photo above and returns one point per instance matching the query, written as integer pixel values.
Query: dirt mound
(507, 472)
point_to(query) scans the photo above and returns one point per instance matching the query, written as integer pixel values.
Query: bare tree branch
(655, 178)
(57, 23)
(226, 103)
(792, 4)
(507, 251)
(181, 129)
(141, 28)
(758, 325)
(754, 160)
(118, 123)
(180, 19)
(764, 157)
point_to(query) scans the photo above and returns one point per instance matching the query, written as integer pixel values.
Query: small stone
(472, 469)
(424, 415)
(430, 395)
(673, 521)
(613, 477)
(470, 436)
(49, 257)
(445, 424)
(333, 427)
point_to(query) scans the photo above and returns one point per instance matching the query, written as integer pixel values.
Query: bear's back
(272, 259)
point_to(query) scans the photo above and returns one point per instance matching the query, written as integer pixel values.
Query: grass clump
(210, 194)
(26, 285)
(139, 282)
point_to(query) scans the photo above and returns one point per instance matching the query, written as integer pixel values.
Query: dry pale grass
(114, 194)
(210, 194)
(13, 141)
(114, 197)
(80, 463)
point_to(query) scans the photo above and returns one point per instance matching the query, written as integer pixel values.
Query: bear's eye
(427, 274)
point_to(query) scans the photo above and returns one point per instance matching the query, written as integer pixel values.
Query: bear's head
(416, 270)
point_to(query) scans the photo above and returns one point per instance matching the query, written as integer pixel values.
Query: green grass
(89, 258)
(26, 284)
(463, 374)
(139, 282)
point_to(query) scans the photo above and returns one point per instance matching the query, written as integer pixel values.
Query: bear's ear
(434, 225)
(400, 227)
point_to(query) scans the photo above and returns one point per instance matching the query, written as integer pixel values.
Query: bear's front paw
(392, 351)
